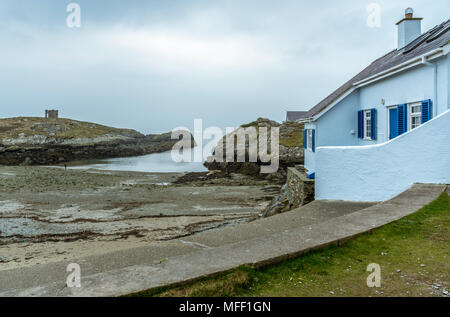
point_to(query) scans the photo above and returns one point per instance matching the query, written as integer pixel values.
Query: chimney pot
(409, 28)
(409, 12)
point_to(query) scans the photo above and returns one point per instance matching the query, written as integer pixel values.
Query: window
(367, 125)
(310, 140)
(415, 115)
(309, 137)
(408, 116)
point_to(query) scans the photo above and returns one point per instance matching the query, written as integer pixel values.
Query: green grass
(417, 245)
(293, 139)
(251, 124)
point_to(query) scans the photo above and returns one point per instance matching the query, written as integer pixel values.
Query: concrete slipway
(316, 225)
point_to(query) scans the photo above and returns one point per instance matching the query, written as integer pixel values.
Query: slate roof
(295, 115)
(428, 41)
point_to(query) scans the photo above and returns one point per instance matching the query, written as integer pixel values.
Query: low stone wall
(300, 189)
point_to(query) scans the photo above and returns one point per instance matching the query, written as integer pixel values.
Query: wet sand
(49, 214)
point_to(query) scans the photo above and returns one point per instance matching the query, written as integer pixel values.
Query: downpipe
(425, 62)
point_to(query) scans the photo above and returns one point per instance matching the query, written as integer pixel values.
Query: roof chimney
(409, 28)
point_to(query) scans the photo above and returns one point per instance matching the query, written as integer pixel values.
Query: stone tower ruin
(51, 114)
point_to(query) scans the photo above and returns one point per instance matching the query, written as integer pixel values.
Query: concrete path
(316, 225)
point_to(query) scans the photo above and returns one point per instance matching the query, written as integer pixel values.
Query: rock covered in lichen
(290, 149)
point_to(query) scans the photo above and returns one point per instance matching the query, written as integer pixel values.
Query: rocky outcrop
(37, 141)
(291, 151)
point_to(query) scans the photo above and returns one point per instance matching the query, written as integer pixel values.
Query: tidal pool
(154, 163)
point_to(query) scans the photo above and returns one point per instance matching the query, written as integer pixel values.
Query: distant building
(292, 116)
(51, 114)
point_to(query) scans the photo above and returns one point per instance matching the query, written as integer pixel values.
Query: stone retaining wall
(300, 189)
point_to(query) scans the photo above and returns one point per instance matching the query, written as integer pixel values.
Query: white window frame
(412, 115)
(309, 138)
(367, 123)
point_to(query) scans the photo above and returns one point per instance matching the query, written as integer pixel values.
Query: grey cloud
(156, 65)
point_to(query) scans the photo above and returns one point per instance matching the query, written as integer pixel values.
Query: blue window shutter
(393, 123)
(305, 139)
(373, 123)
(402, 118)
(427, 113)
(313, 140)
(360, 124)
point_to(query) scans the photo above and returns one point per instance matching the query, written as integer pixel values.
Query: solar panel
(438, 34)
(408, 48)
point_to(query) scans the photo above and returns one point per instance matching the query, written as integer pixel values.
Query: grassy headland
(12, 128)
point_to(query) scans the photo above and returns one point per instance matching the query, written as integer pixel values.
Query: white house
(389, 126)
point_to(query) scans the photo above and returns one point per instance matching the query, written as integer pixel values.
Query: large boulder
(291, 150)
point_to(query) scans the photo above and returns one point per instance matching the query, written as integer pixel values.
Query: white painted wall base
(382, 171)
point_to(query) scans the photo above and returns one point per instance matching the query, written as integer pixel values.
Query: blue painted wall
(333, 128)
(448, 81)
(410, 86)
(336, 125)
(443, 85)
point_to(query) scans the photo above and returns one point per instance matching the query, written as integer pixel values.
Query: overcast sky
(157, 65)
